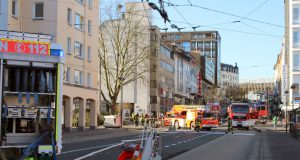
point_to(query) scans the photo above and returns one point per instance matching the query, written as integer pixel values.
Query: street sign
(24, 47)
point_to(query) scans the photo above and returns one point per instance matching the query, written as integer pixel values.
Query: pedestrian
(275, 121)
(143, 119)
(136, 119)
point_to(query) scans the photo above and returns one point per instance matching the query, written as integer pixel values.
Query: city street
(173, 145)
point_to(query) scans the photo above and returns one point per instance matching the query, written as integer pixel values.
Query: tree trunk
(114, 105)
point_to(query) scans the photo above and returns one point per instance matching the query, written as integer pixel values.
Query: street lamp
(121, 110)
(286, 103)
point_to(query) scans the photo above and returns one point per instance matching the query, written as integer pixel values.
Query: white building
(229, 76)
(292, 48)
(137, 91)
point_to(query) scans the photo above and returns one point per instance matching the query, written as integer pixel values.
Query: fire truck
(184, 116)
(239, 113)
(259, 112)
(31, 72)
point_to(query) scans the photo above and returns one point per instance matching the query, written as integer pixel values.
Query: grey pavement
(265, 145)
(227, 147)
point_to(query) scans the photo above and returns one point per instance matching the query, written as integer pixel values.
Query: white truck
(31, 72)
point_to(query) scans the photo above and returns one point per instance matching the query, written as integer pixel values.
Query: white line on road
(104, 149)
(76, 150)
(173, 144)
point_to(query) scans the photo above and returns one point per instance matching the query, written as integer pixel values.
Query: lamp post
(293, 88)
(121, 106)
(286, 103)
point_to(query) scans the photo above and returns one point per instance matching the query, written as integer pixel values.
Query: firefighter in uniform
(198, 124)
(229, 125)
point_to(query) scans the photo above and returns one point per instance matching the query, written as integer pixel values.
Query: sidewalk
(267, 145)
(282, 145)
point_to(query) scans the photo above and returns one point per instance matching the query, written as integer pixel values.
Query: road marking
(101, 150)
(183, 141)
(179, 142)
(76, 150)
(173, 144)
(166, 146)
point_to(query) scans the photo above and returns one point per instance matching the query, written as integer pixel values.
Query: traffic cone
(136, 154)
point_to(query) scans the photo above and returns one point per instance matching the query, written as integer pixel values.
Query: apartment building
(162, 71)
(206, 43)
(73, 24)
(229, 76)
(292, 49)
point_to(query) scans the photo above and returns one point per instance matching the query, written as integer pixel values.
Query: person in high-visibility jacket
(198, 124)
(229, 126)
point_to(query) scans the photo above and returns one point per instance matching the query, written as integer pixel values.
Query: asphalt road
(172, 144)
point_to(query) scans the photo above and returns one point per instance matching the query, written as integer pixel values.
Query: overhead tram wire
(181, 15)
(226, 29)
(255, 9)
(225, 13)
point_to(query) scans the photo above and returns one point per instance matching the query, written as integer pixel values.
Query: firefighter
(198, 124)
(229, 125)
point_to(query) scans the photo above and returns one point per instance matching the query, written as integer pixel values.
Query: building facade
(74, 25)
(229, 76)
(132, 22)
(162, 72)
(207, 43)
(292, 49)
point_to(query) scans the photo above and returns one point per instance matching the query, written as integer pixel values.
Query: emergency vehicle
(184, 116)
(31, 72)
(239, 114)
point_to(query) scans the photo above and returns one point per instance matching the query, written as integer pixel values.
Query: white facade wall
(3, 14)
(137, 92)
(293, 47)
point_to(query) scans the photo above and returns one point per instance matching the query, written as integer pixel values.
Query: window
(165, 51)
(69, 16)
(207, 44)
(90, 3)
(38, 11)
(89, 55)
(69, 45)
(177, 36)
(14, 7)
(153, 99)
(68, 74)
(78, 49)
(207, 53)
(89, 26)
(89, 80)
(78, 77)
(80, 1)
(199, 45)
(296, 14)
(296, 61)
(296, 38)
(79, 21)
(167, 66)
(186, 46)
(194, 45)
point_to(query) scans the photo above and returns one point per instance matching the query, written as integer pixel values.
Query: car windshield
(240, 108)
(209, 115)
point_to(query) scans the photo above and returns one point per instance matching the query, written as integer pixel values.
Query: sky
(253, 45)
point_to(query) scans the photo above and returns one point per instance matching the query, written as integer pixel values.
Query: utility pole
(286, 103)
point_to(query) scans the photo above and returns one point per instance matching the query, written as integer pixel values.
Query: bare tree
(124, 50)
